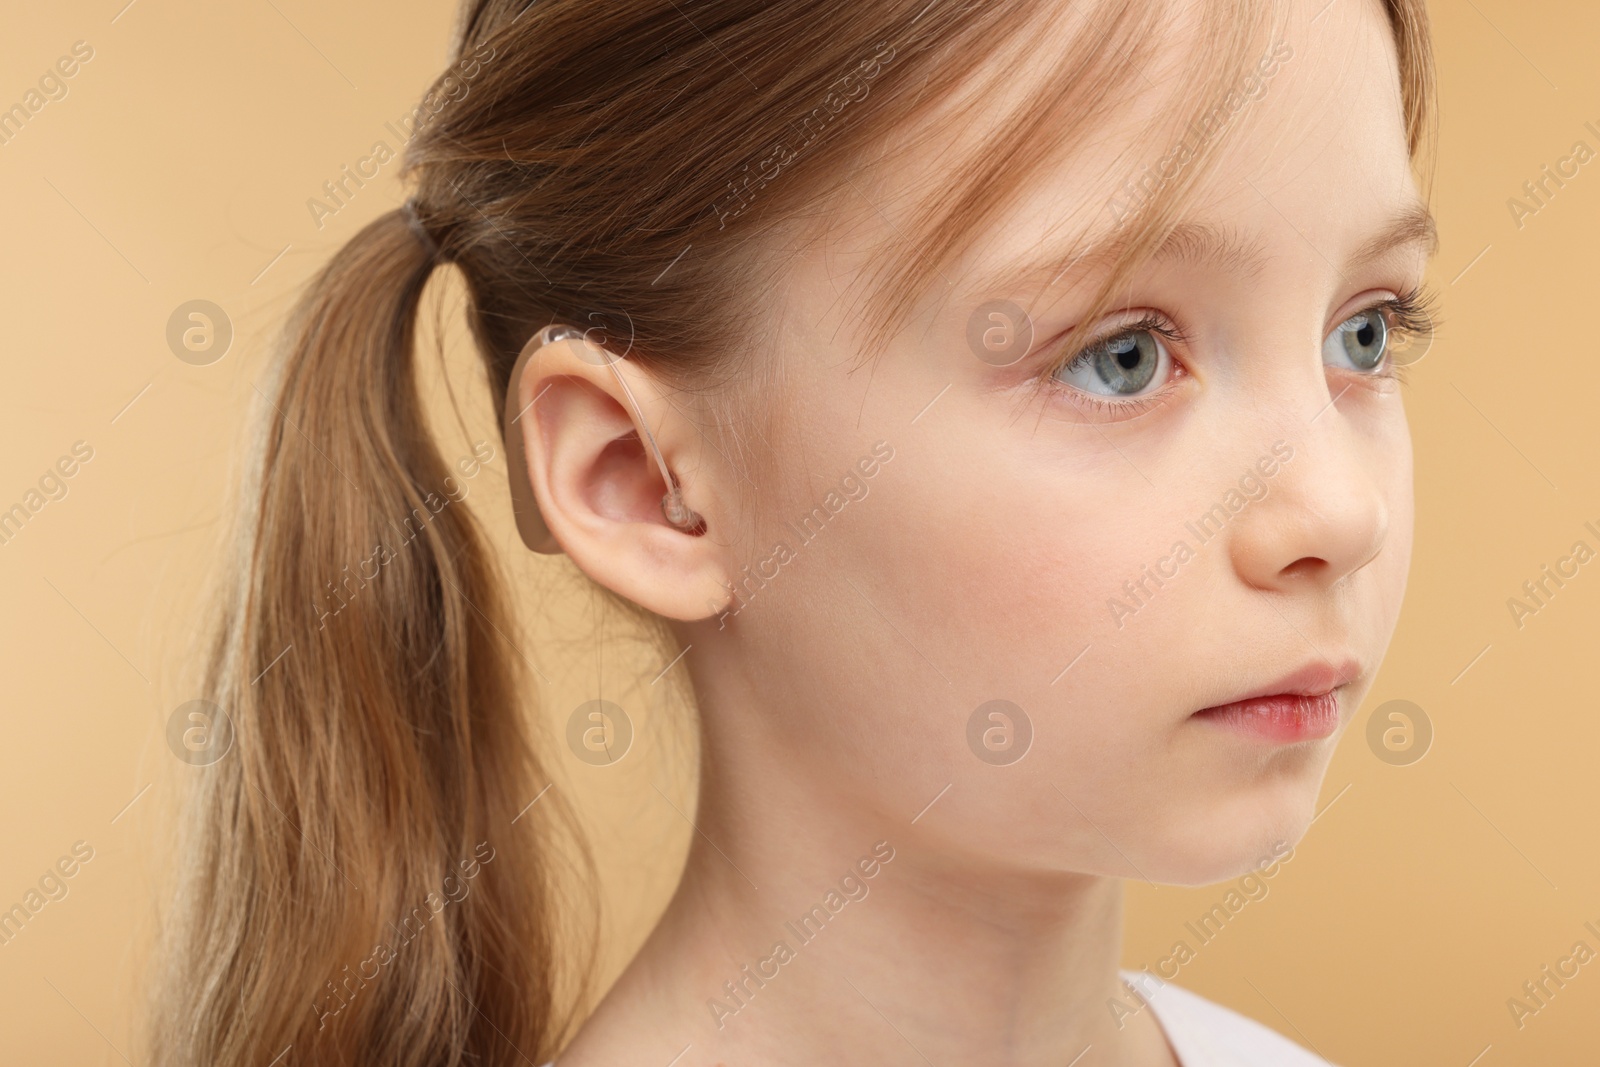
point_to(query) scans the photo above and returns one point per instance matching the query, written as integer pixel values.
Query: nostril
(1306, 567)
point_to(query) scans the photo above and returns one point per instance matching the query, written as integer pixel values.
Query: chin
(1220, 838)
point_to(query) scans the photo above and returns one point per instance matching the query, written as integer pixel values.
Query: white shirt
(1205, 1034)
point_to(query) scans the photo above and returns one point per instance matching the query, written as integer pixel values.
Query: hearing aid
(535, 532)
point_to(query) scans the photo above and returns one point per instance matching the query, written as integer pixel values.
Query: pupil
(1364, 335)
(1128, 363)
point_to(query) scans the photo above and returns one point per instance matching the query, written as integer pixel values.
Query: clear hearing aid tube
(678, 513)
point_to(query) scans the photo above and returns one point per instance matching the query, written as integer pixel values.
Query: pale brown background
(179, 166)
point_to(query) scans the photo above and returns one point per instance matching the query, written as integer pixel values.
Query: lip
(1300, 706)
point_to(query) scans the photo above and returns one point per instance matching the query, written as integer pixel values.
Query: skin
(978, 566)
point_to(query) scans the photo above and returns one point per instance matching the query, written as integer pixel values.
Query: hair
(584, 149)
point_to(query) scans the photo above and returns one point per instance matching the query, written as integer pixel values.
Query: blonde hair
(384, 755)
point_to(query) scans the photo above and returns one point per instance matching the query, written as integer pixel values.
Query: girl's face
(1217, 501)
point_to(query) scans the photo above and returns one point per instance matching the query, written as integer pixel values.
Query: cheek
(999, 570)
(1016, 610)
(990, 585)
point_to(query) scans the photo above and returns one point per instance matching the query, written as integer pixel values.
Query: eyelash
(1409, 312)
(1151, 323)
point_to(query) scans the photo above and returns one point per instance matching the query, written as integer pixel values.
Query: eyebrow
(1414, 225)
(1209, 244)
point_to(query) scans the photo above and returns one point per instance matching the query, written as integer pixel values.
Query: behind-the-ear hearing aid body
(530, 524)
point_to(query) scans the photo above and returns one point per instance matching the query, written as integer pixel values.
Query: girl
(996, 408)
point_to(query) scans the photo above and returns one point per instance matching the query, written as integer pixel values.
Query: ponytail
(358, 890)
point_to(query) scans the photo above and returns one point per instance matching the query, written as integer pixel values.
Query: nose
(1324, 516)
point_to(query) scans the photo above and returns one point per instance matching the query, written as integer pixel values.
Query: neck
(807, 931)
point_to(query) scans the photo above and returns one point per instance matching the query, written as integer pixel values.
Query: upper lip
(1311, 679)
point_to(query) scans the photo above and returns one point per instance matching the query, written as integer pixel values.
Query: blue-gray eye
(1359, 342)
(1123, 365)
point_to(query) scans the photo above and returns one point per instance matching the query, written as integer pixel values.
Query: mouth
(1302, 706)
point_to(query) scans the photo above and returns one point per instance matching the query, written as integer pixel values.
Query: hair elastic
(530, 524)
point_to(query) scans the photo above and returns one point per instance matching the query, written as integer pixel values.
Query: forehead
(1308, 133)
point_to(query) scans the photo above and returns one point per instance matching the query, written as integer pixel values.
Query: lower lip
(1282, 719)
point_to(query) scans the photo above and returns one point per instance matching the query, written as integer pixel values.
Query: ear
(593, 488)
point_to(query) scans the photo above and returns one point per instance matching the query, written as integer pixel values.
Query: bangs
(1107, 57)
